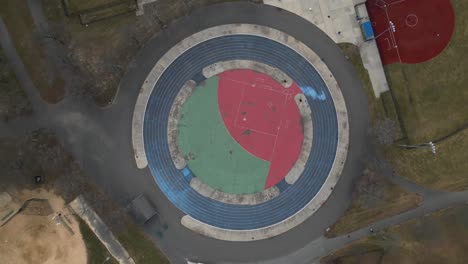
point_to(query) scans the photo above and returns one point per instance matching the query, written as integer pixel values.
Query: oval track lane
(177, 187)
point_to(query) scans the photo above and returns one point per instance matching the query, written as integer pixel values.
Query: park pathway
(99, 140)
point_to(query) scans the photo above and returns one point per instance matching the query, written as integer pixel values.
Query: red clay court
(262, 116)
(411, 31)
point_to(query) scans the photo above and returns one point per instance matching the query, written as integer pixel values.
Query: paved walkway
(338, 19)
(94, 137)
(331, 131)
(100, 229)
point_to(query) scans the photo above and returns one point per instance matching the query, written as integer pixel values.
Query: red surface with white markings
(411, 31)
(262, 116)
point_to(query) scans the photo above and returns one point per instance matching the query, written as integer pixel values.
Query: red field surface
(411, 31)
(262, 116)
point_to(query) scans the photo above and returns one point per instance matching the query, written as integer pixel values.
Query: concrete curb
(173, 124)
(278, 75)
(242, 199)
(99, 228)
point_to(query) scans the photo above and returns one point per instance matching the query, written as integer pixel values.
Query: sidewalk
(99, 228)
(338, 19)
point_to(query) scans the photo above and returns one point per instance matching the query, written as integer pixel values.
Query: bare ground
(39, 239)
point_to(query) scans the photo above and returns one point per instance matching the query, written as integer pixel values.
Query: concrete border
(173, 124)
(241, 199)
(304, 110)
(291, 177)
(276, 74)
(328, 78)
(100, 229)
(306, 119)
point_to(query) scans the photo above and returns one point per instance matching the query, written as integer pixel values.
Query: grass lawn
(374, 198)
(447, 170)
(432, 96)
(101, 50)
(13, 99)
(20, 25)
(140, 247)
(97, 253)
(441, 237)
(376, 109)
(433, 101)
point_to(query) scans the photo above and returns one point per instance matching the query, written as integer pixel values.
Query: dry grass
(374, 198)
(20, 25)
(433, 101)
(13, 100)
(447, 170)
(438, 238)
(102, 50)
(432, 96)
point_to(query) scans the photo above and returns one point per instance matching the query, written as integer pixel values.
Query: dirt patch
(39, 153)
(39, 239)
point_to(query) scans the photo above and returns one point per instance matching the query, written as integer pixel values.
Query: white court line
(397, 2)
(255, 130)
(389, 44)
(395, 45)
(261, 86)
(238, 107)
(277, 133)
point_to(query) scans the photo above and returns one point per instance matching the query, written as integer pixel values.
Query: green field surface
(212, 153)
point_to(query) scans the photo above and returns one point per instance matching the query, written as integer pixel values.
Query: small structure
(363, 17)
(366, 28)
(142, 209)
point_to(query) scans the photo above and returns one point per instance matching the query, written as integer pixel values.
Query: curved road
(100, 140)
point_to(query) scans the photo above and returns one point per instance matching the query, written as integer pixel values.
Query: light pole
(426, 145)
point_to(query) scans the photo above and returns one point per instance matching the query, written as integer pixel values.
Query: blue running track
(176, 186)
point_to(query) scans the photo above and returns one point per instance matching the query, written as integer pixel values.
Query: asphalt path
(100, 141)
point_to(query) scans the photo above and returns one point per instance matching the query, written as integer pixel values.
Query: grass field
(432, 96)
(447, 170)
(374, 198)
(140, 247)
(18, 20)
(376, 108)
(101, 50)
(13, 100)
(97, 253)
(438, 238)
(433, 101)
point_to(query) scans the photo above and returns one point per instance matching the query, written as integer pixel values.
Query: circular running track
(176, 186)
(328, 156)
